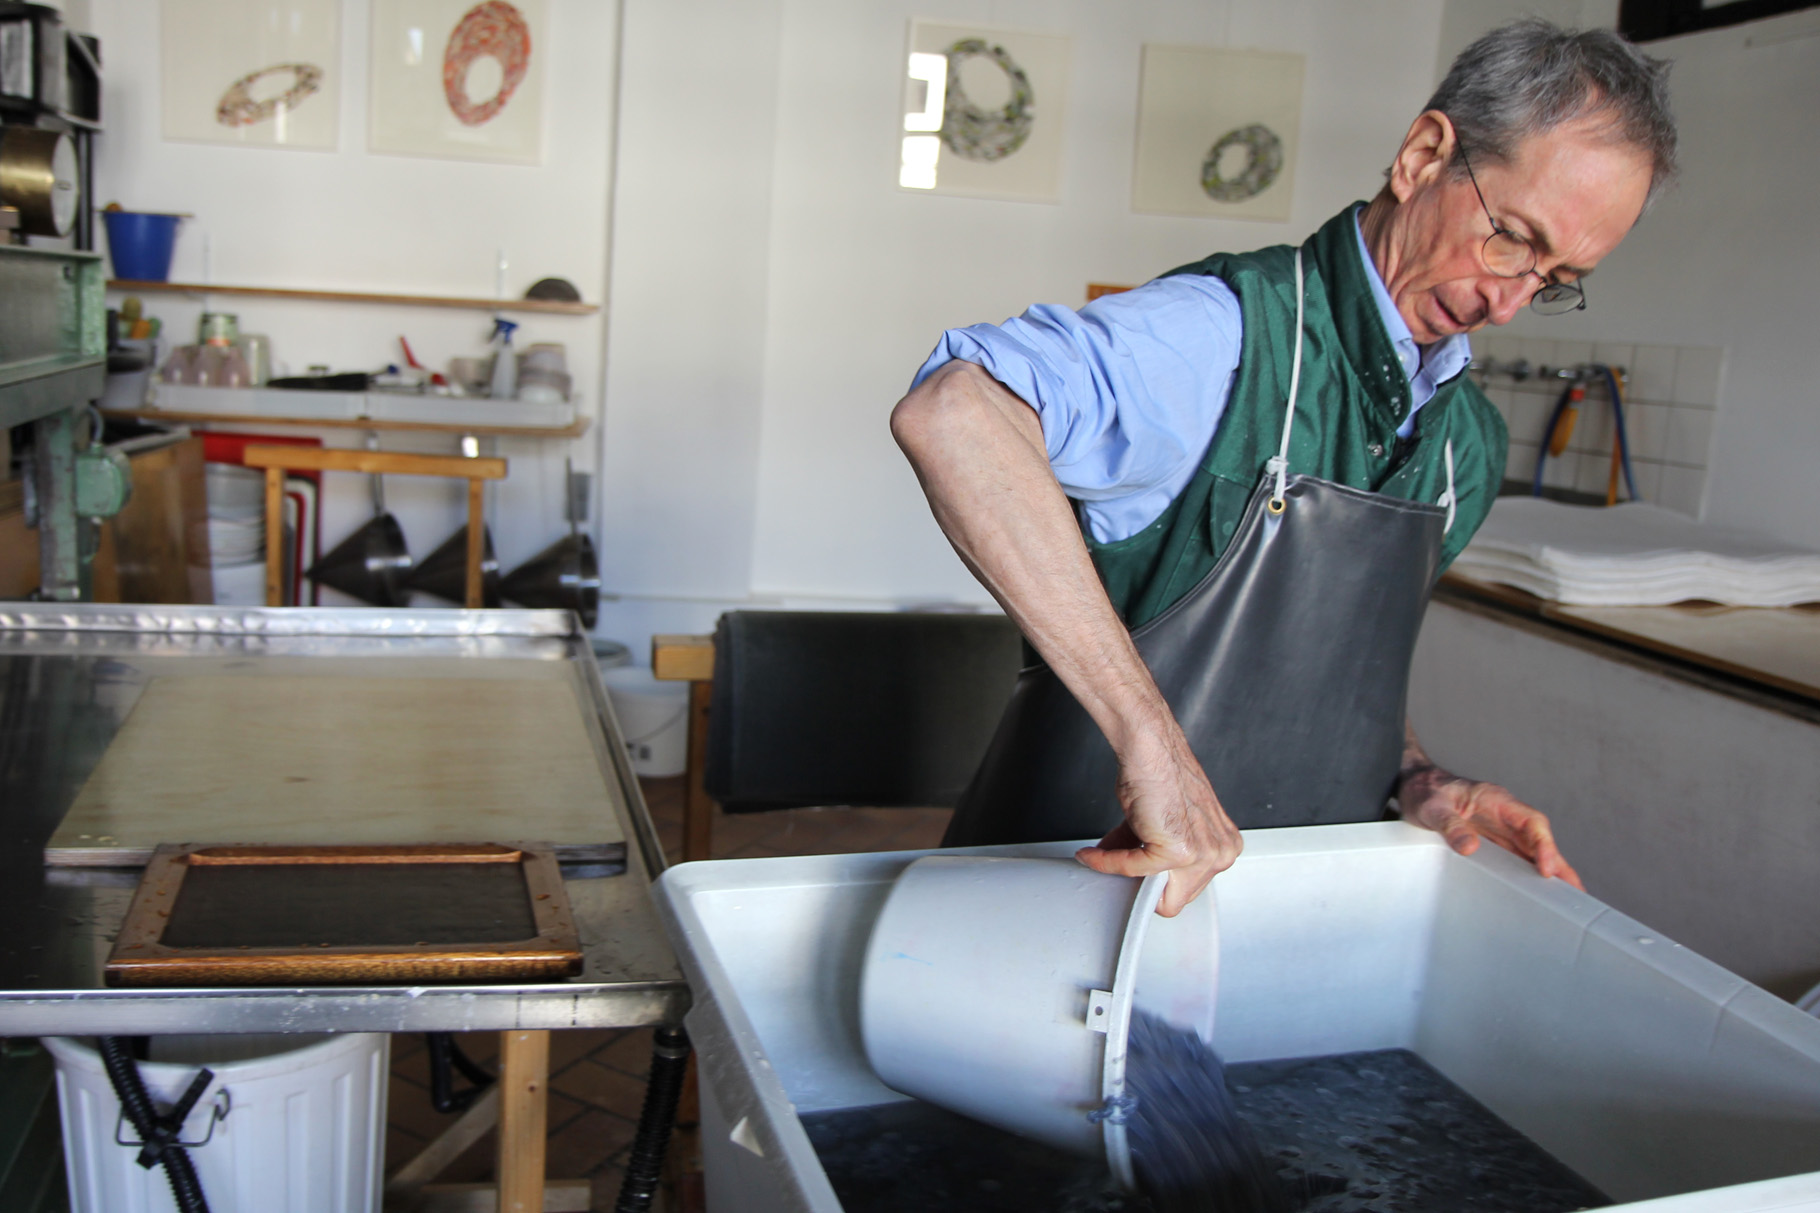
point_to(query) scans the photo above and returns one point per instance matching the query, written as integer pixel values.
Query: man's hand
(1173, 822)
(1464, 811)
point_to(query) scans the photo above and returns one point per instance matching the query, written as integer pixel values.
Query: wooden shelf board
(574, 430)
(550, 306)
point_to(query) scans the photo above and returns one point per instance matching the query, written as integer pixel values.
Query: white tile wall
(1671, 397)
(1646, 425)
(1652, 375)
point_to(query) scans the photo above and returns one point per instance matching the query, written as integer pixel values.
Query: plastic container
(1023, 1024)
(301, 1125)
(140, 244)
(609, 654)
(1650, 1071)
(653, 719)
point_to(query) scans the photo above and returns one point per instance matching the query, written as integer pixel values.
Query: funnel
(370, 564)
(444, 572)
(564, 576)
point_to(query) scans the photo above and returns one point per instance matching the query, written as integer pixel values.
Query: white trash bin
(294, 1123)
(653, 719)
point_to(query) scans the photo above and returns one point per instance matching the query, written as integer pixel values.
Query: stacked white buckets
(236, 534)
(293, 1124)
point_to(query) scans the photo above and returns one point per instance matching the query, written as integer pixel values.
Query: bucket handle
(223, 1104)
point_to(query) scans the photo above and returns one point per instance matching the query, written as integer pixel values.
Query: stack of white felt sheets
(1634, 555)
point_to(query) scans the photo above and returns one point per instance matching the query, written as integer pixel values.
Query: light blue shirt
(1130, 389)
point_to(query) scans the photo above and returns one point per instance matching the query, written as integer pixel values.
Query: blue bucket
(140, 244)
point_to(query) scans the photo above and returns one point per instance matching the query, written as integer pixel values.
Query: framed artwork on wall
(1217, 132)
(985, 113)
(261, 73)
(459, 79)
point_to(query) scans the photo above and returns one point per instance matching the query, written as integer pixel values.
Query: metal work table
(69, 673)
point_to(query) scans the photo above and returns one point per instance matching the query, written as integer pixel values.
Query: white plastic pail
(295, 1124)
(653, 719)
(1002, 989)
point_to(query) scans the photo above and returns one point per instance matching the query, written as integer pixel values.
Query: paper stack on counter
(1634, 555)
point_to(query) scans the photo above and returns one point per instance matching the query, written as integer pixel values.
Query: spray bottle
(505, 361)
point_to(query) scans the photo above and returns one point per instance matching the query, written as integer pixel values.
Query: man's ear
(1426, 152)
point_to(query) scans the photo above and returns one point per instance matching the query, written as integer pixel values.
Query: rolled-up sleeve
(1129, 390)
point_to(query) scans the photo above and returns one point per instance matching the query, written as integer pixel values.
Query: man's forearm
(978, 451)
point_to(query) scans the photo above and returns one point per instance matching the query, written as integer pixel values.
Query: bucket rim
(1118, 1032)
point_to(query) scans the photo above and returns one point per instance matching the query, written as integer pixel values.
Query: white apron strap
(1447, 498)
(1279, 465)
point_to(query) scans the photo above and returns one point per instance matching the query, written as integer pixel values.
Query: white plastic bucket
(295, 1123)
(1002, 989)
(653, 719)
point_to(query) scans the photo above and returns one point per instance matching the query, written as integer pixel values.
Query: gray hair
(1531, 76)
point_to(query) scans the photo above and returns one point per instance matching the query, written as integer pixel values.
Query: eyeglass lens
(1558, 299)
(1509, 255)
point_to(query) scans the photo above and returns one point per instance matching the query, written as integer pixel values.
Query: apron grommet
(1276, 505)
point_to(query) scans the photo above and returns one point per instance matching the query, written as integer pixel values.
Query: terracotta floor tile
(630, 1054)
(571, 1045)
(400, 1147)
(587, 1143)
(483, 1047)
(409, 1108)
(604, 1088)
(475, 1164)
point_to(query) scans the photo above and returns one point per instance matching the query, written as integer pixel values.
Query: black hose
(445, 1058)
(158, 1133)
(669, 1060)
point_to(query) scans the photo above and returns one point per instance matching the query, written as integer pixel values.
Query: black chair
(875, 709)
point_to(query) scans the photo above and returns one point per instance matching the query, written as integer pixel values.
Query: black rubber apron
(1287, 666)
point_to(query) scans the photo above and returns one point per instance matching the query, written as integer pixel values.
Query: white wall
(348, 220)
(773, 290)
(1729, 257)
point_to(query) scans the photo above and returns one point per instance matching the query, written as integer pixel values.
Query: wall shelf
(357, 410)
(547, 306)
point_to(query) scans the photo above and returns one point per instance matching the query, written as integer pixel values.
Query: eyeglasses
(1508, 255)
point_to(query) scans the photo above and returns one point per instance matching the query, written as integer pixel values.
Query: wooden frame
(277, 460)
(141, 958)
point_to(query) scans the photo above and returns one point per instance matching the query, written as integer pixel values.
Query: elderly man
(1215, 504)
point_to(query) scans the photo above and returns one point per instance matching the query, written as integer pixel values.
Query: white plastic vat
(1667, 1082)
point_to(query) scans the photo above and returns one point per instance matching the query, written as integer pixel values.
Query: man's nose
(1509, 295)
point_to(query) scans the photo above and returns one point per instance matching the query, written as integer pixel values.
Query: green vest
(1352, 397)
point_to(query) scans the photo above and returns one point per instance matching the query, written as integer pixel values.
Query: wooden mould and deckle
(237, 916)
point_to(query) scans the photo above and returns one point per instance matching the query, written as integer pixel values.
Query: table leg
(698, 806)
(669, 1064)
(524, 1069)
(274, 537)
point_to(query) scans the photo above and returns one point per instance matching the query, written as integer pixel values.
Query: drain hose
(157, 1132)
(669, 1060)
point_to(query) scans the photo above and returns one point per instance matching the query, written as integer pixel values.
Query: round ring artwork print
(981, 134)
(494, 29)
(238, 108)
(1264, 160)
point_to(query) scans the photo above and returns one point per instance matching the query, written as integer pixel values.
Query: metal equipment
(53, 362)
